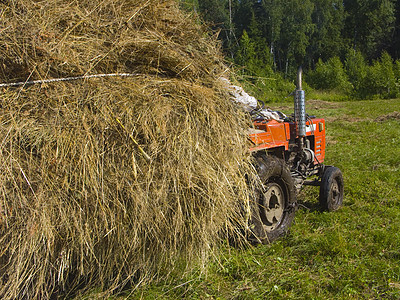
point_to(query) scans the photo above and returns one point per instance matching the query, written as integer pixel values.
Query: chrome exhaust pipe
(300, 107)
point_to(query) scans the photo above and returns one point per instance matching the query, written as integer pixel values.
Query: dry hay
(81, 204)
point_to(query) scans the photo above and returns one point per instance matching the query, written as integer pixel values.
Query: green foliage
(397, 69)
(369, 25)
(270, 36)
(357, 78)
(382, 78)
(258, 77)
(379, 80)
(397, 73)
(214, 11)
(394, 48)
(326, 41)
(246, 52)
(294, 36)
(189, 5)
(286, 34)
(268, 89)
(329, 76)
(273, 12)
(357, 71)
(258, 63)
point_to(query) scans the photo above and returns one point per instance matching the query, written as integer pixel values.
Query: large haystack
(109, 181)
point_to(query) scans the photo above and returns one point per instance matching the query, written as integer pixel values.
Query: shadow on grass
(309, 204)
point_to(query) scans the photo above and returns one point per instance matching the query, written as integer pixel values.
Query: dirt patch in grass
(319, 104)
(391, 116)
(343, 119)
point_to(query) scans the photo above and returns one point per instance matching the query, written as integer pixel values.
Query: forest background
(348, 49)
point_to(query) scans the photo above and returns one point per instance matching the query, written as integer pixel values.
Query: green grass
(349, 254)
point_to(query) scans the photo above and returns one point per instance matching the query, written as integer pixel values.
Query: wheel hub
(272, 206)
(335, 192)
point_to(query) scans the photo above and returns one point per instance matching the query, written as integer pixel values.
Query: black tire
(274, 204)
(331, 189)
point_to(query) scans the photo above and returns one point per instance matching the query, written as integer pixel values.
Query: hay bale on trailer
(110, 180)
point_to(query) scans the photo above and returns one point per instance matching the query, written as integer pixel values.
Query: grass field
(349, 254)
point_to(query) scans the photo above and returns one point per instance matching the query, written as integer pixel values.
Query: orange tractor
(289, 154)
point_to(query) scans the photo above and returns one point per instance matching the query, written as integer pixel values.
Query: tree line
(326, 37)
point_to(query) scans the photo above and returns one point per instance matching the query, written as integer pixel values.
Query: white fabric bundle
(249, 103)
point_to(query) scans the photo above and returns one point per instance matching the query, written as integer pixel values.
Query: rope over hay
(12, 84)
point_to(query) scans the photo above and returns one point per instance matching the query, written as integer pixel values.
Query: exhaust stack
(300, 107)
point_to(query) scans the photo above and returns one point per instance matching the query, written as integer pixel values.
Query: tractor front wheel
(331, 189)
(275, 200)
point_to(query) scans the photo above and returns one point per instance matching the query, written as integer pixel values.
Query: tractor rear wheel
(331, 189)
(275, 200)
